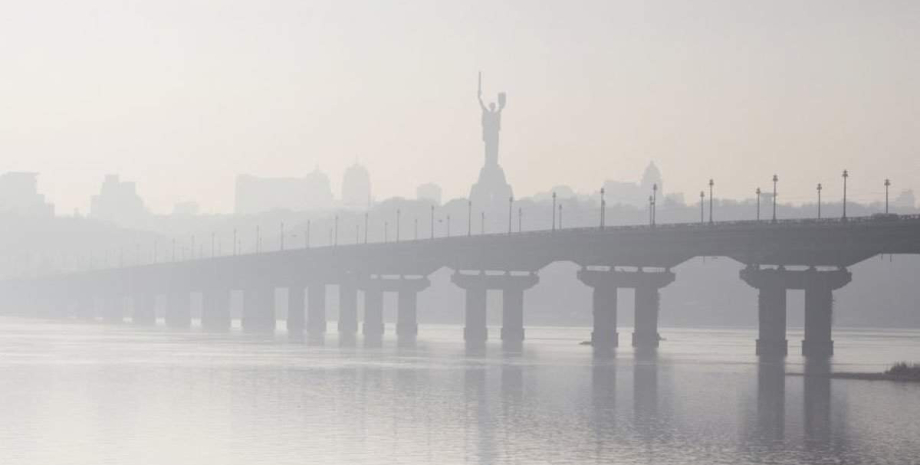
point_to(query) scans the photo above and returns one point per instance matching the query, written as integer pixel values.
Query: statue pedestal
(491, 190)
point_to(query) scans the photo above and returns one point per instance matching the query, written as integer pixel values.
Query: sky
(180, 96)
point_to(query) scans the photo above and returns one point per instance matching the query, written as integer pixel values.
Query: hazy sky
(182, 95)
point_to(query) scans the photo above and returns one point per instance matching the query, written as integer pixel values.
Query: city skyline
(805, 104)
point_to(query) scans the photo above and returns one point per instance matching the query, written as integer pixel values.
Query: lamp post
(560, 216)
(711, 183)
(554, 211)
(846, 175)
(654, 204)
(702, 199)
(651, 207)
(603, 208)
(469, 217)
(775, 180)
(887, 185)
(510, 212)
(820, 188)
(757, 193)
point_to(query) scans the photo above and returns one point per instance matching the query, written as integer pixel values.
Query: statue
(491, 192)
(491, 125)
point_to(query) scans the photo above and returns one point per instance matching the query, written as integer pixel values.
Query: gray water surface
(78, 393)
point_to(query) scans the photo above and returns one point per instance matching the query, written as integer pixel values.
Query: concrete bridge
(810, 255)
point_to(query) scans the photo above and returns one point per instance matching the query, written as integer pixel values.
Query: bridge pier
(407, 309)
(373, 327)
(178, 310)
(144, 311)
(476, 332)
(316, 310)
(348, 310)
(646, 285)
(819, 303)
(772, 285)
(259, 309)
(297, 307)
(215, 310)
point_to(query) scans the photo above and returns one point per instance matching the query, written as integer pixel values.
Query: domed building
(356, 187)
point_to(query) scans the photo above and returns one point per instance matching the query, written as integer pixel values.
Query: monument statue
(491, 191)
(491, 125)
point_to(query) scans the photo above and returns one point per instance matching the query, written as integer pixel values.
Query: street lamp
(711, 183)
(887, 185)
(554, 211)
(651, 207)
(820, 188)
(560, 216)
(702, 197)
(520, 219)
(603, 208)
(469, 217)
(775, 180)
(757, 192)
(510, 212)
(846, 175)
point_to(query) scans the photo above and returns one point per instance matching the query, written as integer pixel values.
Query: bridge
(809, 255)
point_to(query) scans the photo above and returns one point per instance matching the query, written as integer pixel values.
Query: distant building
(635, 194)
(904, 200)
(256, 195)
(430, 192)
(19, 194)
(118, 203)
(356, 187)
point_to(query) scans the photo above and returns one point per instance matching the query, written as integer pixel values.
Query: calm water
(76, 393)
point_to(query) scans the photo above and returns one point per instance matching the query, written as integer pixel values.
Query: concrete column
(296, 317)
(475, 330)
(373, 312)
(819, 306)
(407, 314)
(178, 309)
(348, 309)
(259, 309)
(144, 309)
(771, 315)
(215, 310)
(316, 309)
(771, 285)
(646, 320)
(513, 315)
(604, 306)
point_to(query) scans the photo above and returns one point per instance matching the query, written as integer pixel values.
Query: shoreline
(861, 376)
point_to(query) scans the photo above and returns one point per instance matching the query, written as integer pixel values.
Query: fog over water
(91, 394)
(435, 232)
